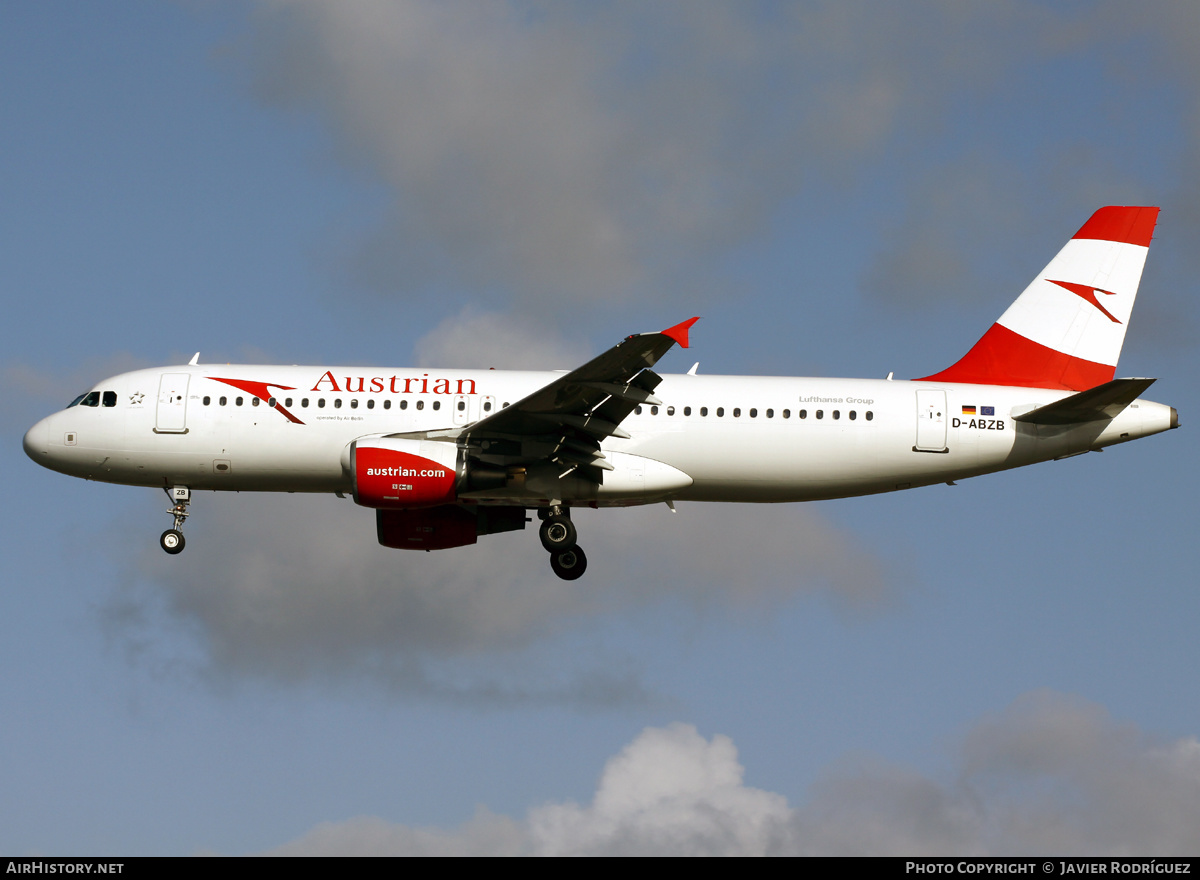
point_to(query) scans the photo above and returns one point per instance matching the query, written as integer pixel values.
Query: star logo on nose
(136, 398)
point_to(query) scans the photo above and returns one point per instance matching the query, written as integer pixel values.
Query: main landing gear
(172, 539)
(558, 536)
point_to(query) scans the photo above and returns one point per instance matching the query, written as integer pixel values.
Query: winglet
(680, 331)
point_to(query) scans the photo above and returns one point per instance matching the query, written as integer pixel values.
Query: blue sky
(838, 189)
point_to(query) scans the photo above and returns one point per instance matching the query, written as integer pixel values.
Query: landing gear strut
(558, 536)
(172, 539)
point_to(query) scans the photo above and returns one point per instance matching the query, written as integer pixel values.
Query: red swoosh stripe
(261, 390)
(1003, 357)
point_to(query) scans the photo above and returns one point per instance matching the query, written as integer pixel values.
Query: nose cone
(36, 442)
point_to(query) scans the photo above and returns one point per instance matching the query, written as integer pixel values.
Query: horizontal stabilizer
(1096, 404)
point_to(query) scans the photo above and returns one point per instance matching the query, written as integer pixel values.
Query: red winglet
(680, 331)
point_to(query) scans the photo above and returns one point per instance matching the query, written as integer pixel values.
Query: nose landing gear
(558, 536)
(172, 539)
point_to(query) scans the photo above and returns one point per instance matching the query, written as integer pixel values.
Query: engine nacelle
(404, 474)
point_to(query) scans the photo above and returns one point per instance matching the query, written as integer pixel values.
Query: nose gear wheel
(172, 539)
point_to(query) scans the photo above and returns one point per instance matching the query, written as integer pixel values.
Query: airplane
(445, 456)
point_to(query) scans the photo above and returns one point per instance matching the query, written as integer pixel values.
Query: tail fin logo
(1088, 293)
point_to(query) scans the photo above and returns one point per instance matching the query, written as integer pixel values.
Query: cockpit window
(78, 400)
(92, 398)
(110, 398)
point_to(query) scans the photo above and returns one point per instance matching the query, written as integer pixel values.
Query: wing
(565, 421)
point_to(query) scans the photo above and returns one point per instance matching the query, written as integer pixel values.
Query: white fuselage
(714, 438)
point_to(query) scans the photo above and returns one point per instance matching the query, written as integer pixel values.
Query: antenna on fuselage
(692, 371)
(195, 360)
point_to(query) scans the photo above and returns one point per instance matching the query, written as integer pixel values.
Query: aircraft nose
(36, 441)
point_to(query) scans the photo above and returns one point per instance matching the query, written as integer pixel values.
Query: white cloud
(472, 339)
(670, 792)
(557, 156)
(295, 589)
(565, 154)
(1050, 775)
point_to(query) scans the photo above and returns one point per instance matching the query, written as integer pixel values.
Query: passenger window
(462, 406)
(354, 403)
(420, 404)
(803, 414)
(110, 398)
(820, 414)
(437, 404)
(287, 402)
(737, 412)
(787, 413)
(853, 415)
(238, 401)
(320, 403)
(487, 406)
(254, 401)
(770, 414)
(370, 404)
(654, 410)
(207, 400)
(92, 398)
(837, 413)
(387, 404)
(870, 415)
(303, 402)
(637, 410)
(337, 403)
(720, 411)
(222, 400)
(670, 410)
(687, 410)
(754, 414)
(271, 402)
(704, 410)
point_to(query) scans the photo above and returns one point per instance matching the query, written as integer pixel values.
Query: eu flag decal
(987, 410)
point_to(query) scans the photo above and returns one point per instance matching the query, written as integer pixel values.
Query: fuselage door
(931, 421)
(172, 404)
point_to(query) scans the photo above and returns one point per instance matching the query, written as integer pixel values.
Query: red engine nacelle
(404, 474)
